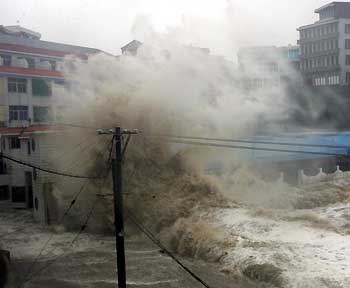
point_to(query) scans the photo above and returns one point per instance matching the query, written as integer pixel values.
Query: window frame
(6, 193)
(15, 143)
(7, 59)
(36, 117)
(18, 113)
(38, 85)
(347, 43)
(17, 85)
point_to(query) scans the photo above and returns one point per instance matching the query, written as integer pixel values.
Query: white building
(30, 80)
(325, 47)
(266, 67)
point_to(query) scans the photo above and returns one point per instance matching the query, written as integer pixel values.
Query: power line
(67, 211)
(74, 163)
(248, 141)
(45, 169)
(74, 125)
(254, 148)
(64, 215)
(51, 236)
(81, 230)
(149, 234)
(65, 153)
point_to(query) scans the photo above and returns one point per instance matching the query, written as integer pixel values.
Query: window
(4, 193)
(347, 28)
(334, 80)
(31, 63)
(18, 194)
(18, 113)
(347, 43)
(347, 60)
(3, 143)
(17, 85)
(3, 167)
(15, 143)
(6, 59)
(41, 87)
(42, 114)
(347, 78)
(53, 65)
(33, 144)
(28, 148)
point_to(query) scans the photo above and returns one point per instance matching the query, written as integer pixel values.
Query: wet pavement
(91, 260)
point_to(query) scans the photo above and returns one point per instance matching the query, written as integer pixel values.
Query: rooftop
(17, 35)
(332, 4)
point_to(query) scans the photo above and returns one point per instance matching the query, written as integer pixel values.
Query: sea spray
(172, 89)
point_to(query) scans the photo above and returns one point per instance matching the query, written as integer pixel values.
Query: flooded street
(91, 261)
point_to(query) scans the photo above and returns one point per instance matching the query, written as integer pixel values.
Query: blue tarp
(335, 139)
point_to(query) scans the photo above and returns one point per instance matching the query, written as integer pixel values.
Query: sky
(221, 25)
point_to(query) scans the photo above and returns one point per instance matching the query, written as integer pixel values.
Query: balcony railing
(319, 38)
(322, 69)
(320, 53)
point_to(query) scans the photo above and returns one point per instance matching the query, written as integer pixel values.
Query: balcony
(29, 71)
(320, 53)
(334, 35)
(322, 69)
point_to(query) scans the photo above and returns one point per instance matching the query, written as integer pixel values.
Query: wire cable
(81, 230)
(66, 153)
(45, 169)
(67, 211)
(52, 235)
(149, 234)
(254, 148)
(248, 141)
(75, 125)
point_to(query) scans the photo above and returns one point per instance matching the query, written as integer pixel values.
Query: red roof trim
(27, 49)
(29, 130)
(40, 51)
(28, 71)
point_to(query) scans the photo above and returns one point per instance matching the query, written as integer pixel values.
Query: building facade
(31, 80)
(269, 67)
(325, 47)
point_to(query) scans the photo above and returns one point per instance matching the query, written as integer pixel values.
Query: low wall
(338, 175)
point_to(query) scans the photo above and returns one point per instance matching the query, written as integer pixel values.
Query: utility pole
(117, 175)
(118, 207)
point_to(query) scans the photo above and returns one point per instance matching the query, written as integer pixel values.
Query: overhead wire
(254, 148)
(35, 261)
(296, 144)
(50, 171)
(81, 230)
(83, 227)
(64, 154)
(75, 125)
(150, 235)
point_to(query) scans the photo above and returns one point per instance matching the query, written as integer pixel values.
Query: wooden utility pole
(117, 175)
(118, 208)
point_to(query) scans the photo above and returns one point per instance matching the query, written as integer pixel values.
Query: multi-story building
(30, 83)
(269, 67)
(325, 47)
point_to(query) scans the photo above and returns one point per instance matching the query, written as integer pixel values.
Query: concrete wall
(44, 182)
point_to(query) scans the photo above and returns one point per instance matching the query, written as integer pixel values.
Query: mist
(174, 86)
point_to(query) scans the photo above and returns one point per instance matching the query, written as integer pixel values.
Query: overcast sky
(221, 25)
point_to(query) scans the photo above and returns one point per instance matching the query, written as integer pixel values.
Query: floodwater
(238, 246)
(91, 260)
